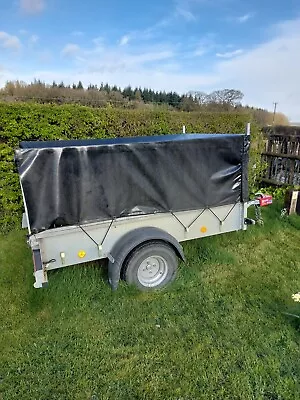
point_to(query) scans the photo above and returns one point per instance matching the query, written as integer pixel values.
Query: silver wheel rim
(152, 271)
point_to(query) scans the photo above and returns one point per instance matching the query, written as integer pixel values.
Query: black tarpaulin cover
(74, 182)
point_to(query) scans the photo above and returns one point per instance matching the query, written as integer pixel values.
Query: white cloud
(9, 41)
(200, 52)
(205, 45)
(70, 49)
(32, 6)
(187, 15)
(244, 18)
(181, 11)
(33, 39)
(77, 33)
(266, 73)
(45, 56)
(124, 40)
(98, 41)
(23, 31)
(156, 78)
(186, 9)
(5, 76)
(107, 60)
(230, 54)
(269, 72)
(141, 58)
(241, 19)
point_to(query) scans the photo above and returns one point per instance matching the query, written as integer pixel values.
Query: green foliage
(25, 121)
(257, 167)
(278, 193)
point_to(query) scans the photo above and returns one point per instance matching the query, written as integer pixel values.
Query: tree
(128, 92)
(80, 85)
(116, 98)
(106, 88)
(37, 82)
(145, 95)
(138, 95)
(230, 97)
(200, 97)
(162, 97)
(188, 104)
(173, 99)
(10, 88)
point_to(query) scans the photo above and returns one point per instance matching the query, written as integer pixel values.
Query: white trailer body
(143, 247)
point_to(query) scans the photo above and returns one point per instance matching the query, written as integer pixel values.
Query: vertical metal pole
(248, 129)
(26, 209)
(275, 106)
(183, 129)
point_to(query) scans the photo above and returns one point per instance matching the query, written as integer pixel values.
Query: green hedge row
(49, 122)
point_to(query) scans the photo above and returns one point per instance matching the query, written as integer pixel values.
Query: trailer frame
(118, 239)
(115, 239)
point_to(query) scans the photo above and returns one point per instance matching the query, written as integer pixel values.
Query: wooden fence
(282, 155)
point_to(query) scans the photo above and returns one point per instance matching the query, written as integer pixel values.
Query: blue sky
(177, 45)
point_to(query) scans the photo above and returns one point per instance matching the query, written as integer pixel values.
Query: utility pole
(275, 106)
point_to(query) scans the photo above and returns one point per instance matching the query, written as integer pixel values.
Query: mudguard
(132, 240)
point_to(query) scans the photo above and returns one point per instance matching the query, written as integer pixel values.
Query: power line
(275, 106)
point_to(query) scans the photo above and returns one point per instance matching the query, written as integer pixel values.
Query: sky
(180, 45)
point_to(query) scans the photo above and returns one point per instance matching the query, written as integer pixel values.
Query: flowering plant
(296, 297)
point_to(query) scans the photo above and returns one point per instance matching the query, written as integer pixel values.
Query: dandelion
(296, 297)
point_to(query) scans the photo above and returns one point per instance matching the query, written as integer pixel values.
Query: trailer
(131, 200)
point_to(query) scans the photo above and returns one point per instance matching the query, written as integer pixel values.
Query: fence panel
(282, 155)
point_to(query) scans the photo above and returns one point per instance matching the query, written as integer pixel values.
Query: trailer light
(81, 254)
(265, 200)
(203, 229)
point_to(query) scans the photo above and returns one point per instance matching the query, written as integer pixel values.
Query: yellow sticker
(203, 229)
(81, 254)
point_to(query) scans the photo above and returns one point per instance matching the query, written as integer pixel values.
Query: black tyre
(150, 266)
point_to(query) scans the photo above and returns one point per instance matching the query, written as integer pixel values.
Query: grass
(218, 332)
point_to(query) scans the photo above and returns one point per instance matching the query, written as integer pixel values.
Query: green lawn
(218, 332)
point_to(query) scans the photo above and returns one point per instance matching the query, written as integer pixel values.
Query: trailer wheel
(152, 265)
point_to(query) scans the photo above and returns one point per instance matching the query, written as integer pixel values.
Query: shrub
(23, 121)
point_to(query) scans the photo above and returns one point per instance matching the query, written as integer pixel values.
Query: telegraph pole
(275, 106)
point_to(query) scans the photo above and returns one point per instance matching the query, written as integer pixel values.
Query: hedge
(49, 122)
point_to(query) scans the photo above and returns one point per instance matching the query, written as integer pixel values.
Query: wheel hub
(152, 271)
